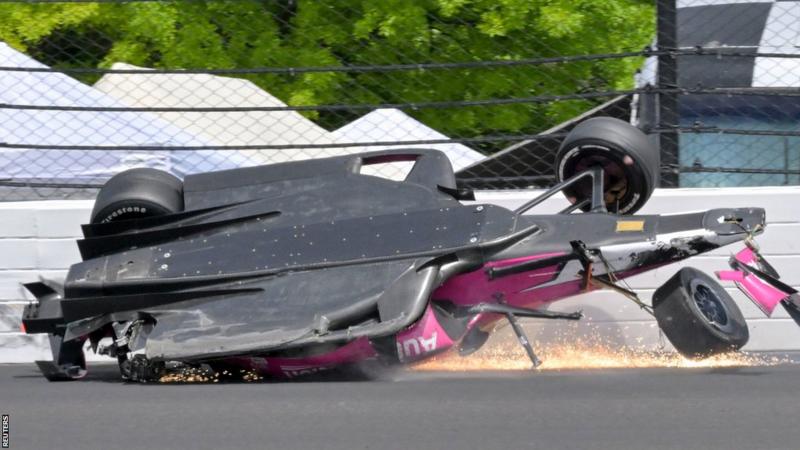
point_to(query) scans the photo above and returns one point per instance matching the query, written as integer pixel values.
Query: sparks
(594, 355)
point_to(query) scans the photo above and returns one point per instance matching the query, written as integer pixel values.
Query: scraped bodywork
(300, 266)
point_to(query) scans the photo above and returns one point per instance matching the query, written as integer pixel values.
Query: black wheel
(698, 316)
(138, 193)
(630, 162)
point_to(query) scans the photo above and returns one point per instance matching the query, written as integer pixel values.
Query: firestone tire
(698, 316)
(630, 162)
(138, 193)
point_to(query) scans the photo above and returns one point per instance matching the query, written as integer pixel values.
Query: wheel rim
(621, 181)
(710, 305)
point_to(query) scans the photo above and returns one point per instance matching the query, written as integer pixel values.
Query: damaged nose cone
(730, 221)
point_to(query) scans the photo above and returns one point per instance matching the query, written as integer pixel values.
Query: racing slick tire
(138, 193)
(629, 160)
(698, 316)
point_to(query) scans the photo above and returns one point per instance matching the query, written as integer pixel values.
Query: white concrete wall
(37, 239)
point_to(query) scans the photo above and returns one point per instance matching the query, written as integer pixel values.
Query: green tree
(295, 33)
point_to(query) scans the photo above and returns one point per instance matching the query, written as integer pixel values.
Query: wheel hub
(710, 305)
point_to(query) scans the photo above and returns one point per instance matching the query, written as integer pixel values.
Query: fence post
(667, 118)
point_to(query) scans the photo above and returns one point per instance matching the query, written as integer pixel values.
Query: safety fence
(91, 88)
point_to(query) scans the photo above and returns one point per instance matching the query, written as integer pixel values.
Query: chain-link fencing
(733, 119)
(91, 88)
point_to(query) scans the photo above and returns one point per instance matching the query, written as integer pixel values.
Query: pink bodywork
(516, 290)
(475, 287)
(426, 337)
(423, 339)
(275, 367)
(765, 296)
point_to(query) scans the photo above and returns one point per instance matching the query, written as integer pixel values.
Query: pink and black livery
(294, 268)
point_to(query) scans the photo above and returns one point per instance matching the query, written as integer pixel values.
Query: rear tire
(698, 316)
(138, 193)
(630, 162)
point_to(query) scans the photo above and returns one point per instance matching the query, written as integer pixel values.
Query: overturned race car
(298, 267)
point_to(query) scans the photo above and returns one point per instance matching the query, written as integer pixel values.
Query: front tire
(698, 316)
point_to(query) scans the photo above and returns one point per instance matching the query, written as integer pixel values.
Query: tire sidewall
(153, 192)
(636, 185)
(686, 327)
(126, 210)
(620, 139)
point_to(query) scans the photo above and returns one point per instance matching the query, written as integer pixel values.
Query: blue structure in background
(734, 36)
(773, 114)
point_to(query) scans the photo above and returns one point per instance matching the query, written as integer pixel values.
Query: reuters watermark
(6, 431)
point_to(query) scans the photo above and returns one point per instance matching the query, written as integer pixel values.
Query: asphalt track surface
(730, 408)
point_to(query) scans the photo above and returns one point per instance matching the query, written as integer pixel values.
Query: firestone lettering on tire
(128, 209)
